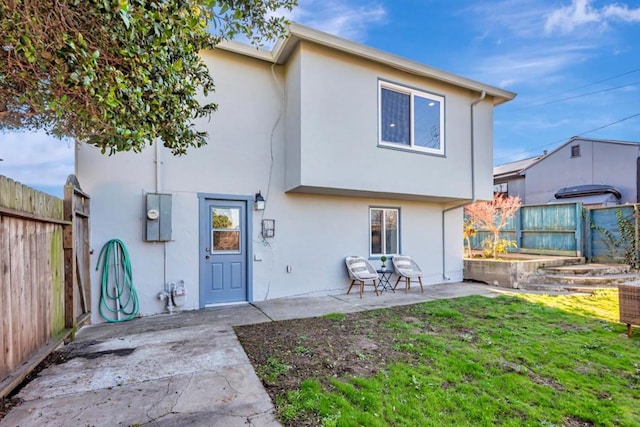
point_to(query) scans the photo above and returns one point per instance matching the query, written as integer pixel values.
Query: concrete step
(556, 288)
(572, 279)
(586, 269)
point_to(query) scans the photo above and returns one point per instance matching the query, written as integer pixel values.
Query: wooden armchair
(360, 270)
(406, 269)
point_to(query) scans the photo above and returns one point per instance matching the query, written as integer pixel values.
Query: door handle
(206, 257)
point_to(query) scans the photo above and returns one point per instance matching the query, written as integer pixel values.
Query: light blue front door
(223, 251)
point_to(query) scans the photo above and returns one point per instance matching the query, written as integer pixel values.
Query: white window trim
(383, 237)
(411, 92)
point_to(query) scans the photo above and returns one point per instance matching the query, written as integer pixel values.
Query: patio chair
(406, 269)
(360, 270)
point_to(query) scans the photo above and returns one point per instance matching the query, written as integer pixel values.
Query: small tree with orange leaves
(468, 232)
(493, 216)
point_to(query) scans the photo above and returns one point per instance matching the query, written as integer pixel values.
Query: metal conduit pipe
(158, 172)
(483, 94)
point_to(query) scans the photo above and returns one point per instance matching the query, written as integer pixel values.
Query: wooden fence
(43, 259)
(572, 230)
(543, 229)
(604, 241)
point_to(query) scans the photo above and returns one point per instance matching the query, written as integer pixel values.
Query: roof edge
(574, 139)
(246, 49)
(283, 48)
(301, 32)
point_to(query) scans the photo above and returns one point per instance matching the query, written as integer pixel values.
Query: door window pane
(226, 218)
(226, 241)
(225, 229)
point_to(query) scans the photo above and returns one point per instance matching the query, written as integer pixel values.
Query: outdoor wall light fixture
(259, 202)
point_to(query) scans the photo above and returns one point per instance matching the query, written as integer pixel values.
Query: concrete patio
(182, 369)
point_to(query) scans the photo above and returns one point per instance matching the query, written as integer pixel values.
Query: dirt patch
(11, 400)
(356, 344)
(322, 348)
(6, 404)
(576, 422)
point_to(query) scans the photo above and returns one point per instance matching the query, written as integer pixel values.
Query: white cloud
(35, 159)
(581, 12)
(519, 18)
(622, 12)
(339, 18)
(535, 64)
(541, 42)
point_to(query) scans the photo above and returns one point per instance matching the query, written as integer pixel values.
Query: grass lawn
(526, 360)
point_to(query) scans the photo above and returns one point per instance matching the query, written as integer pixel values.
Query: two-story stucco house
(355, 151)
(596, 172)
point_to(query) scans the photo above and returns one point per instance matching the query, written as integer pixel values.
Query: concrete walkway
(181, 369)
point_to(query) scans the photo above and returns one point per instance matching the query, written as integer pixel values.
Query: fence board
(56, 320)
(27, 301)
(5, 279)
(16, 248)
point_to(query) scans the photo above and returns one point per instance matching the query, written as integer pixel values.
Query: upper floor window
(502, 188)
(384, 231)
(411, 119)
(575, 151)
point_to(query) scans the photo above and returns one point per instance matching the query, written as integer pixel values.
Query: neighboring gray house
(356, 151)
(596, 172)
(507, 179)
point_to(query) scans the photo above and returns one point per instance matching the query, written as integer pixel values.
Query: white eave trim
(283, 48)
(245, 49)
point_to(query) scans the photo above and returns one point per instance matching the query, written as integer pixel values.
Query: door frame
(202, 213)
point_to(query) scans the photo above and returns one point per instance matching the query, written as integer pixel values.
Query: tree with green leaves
(119, 74)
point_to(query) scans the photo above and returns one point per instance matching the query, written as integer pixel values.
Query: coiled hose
(118, 297)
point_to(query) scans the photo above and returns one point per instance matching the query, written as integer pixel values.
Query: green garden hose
(118, 297)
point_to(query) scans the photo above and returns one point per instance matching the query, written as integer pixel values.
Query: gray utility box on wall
(158, 217)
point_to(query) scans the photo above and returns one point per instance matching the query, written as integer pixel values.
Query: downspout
(483, 94)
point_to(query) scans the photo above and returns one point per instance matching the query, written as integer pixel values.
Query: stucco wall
(339, 114)
(313, 232)
(292, 120)
(598, 163)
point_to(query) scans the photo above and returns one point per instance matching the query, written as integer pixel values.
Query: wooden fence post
(519, 227)
(69, 260)
(579, 228)
(588, 235)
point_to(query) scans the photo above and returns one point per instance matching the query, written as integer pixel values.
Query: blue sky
(575, 65)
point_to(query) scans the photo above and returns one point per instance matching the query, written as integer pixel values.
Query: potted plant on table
(383, 259)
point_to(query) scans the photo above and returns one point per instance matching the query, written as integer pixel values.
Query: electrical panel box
(157, 216)
(268, 227)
